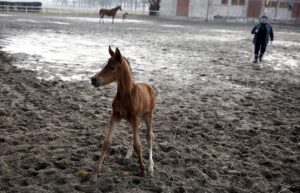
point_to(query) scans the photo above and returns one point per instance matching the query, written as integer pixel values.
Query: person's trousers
(260, 48)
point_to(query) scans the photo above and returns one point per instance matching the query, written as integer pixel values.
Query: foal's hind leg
(129, 150)
(137, 144)
(150, 136)
(130, 147)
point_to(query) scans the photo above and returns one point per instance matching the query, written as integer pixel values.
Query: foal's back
(146, 96)
(139, 102)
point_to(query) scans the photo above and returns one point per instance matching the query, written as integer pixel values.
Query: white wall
(282, 13)
(168, 7)
(198, 8)
(228, 10)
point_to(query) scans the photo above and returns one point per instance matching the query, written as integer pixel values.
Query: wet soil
(222, 124)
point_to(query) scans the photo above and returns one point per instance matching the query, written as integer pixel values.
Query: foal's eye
(112, 67)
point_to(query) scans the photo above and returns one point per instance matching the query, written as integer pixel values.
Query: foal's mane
(128, 64)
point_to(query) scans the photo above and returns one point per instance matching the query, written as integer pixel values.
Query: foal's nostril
(94, 80)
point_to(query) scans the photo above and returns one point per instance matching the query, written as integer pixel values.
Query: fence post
(26, 9)
(277, 4)
(207, 10)
(7, 9)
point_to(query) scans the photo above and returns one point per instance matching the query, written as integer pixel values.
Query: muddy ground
(222, 124)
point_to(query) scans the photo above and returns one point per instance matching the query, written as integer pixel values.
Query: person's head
(264, 19)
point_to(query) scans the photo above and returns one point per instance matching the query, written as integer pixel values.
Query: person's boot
(260, 57)
(255, 58)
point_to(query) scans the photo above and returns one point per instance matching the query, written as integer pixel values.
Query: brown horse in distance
(109, 12)
(132, 102)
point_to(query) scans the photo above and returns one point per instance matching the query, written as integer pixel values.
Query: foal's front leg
(114, 121)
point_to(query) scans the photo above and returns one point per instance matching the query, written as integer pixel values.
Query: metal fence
(62, 10)
(76, 7)
(18, 8)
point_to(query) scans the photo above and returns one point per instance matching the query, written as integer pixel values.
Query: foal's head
(111, 72)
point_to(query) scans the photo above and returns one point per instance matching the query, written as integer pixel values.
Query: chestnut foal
(132, 102)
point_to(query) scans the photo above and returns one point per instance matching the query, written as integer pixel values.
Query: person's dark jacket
(269, 33)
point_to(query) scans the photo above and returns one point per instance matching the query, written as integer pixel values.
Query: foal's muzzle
(95, 81)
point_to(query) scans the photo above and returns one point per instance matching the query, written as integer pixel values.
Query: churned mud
(222, 124)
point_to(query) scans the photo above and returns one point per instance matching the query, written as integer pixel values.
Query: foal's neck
(126, 83)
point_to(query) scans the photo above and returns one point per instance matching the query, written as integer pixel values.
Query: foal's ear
(118, 54)
(111, 52)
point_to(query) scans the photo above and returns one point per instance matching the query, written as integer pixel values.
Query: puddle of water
(218, 38)
(223, 31)
(75, 57)
(288, 33)
(6, 15)
(280, 61)
(34, 21)
(106, 20)
(57, 22)
(286, 43)
(172, 26)
(71, 56)
(28, 20)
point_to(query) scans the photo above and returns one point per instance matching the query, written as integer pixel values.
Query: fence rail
(14, 8)
(65, 10)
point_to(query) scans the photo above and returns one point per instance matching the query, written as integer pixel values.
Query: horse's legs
(130, 147)
(150, 136)
(101, 19)
(137, 144)
(113, 17)
(105, 146)
(129, 150)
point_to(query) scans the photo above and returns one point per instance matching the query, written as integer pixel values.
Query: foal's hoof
(93, 178)
(151, 173)
(143, 173)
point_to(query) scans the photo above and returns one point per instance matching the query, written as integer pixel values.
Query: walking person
(263, 32)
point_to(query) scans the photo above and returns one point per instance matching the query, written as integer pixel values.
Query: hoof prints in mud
(222, 127)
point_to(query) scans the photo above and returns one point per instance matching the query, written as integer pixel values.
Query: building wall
(218, 9)
(198, 8)
(168, 7)
(282, 13)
